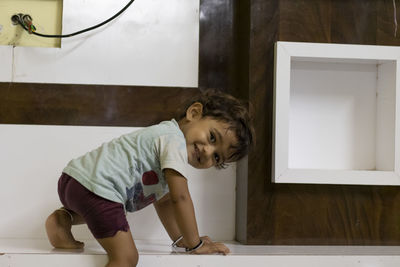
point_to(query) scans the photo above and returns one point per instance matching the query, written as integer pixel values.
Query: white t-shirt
(129, 169)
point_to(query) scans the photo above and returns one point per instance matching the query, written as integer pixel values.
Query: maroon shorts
(103, 217)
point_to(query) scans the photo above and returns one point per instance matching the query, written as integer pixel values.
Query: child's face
(208, 141)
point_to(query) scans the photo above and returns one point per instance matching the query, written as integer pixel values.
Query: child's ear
(195, 111)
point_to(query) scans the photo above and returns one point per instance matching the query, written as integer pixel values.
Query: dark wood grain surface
(353, 21)
(216, 52)
(290, 214)
(263, 35)
(387, 32)
(74, 104)
(304, 21)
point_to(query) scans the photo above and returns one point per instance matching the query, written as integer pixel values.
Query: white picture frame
(330, 126)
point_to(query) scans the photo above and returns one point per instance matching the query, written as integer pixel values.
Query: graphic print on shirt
(136, 198)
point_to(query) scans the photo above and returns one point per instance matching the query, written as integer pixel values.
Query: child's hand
(206, 239)
(210, 247)
(182, 244)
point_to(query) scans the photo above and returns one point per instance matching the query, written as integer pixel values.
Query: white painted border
(153, 43)
(6, 63)
(284, 51)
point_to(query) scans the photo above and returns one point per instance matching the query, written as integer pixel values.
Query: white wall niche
(336, 114)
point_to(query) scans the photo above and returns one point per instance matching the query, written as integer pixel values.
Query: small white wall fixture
(336, 114)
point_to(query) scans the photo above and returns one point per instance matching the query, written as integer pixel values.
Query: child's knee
(124, 260)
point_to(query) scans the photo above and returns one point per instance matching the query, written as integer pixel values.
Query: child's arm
(182, 207)
(184, 216)
(166, 214)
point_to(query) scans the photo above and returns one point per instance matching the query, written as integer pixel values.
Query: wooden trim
(261, 192)
(216, 50)
(102, 105)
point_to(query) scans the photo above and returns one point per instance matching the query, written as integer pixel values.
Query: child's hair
(226, 108)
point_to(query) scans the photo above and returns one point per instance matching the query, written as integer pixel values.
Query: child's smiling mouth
(197, 152)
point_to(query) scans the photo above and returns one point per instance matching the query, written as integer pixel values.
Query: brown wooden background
(236, 55)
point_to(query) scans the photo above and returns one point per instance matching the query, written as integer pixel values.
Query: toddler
(148, 167)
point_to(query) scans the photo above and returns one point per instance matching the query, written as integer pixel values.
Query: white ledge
(30, 252)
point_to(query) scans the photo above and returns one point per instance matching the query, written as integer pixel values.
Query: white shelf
(38, 252)
(335, 110)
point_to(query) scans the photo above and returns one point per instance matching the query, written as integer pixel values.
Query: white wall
(33, 156)
(6, 63)
(154, 42)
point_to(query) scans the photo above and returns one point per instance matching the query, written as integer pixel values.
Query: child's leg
(106, 220)
(58, 228)
(59, 223)
(121, 249)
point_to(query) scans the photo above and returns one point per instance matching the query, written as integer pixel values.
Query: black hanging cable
(26, 22)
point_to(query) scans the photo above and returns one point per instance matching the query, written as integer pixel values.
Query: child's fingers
(206, 239)
(221, 248)
(212, 248)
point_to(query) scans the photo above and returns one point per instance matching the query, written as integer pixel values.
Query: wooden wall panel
(263, 34)
(387, 34)
(304, 21)
(216, 52)
(328, 215)
(353, 21)
(72, 104)
(290, 214)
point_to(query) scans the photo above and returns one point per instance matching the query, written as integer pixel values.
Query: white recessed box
(336, 114)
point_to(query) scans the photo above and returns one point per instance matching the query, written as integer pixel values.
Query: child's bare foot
(58, 228)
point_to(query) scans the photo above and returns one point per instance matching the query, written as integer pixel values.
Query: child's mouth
(197, 152)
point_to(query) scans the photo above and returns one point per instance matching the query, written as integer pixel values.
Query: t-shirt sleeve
(172, 153)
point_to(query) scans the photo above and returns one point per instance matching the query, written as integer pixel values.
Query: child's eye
(219, 164)
(212, 137)
(217, 158)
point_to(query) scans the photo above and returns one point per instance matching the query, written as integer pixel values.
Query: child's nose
(208, 154)
(208, 150)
